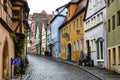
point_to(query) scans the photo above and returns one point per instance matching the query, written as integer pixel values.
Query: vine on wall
(19, 43)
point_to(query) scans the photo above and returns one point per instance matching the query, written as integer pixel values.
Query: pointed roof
(82, 4)
(43, 12)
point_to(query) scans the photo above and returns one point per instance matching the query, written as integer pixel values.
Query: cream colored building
(113, 34)
(43, 39)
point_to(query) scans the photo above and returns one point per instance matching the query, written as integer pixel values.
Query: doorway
(109, 59)
(69, 52)
(5, 62)
(88, 46)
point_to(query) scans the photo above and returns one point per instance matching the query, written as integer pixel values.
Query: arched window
(99, 43)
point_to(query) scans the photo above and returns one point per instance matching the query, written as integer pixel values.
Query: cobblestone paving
(46, 69)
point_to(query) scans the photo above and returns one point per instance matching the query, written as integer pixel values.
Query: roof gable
(93, 7)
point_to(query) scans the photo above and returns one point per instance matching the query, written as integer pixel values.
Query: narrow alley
(41, 68)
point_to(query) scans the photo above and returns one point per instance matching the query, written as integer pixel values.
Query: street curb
(74, 66)
(26, 77)
(83, 70)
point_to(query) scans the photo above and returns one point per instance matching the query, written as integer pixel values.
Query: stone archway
(5, 62)
(69, 52)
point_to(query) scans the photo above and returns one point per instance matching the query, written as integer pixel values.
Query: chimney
(53, 14)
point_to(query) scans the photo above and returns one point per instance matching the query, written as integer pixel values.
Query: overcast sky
(47, 5)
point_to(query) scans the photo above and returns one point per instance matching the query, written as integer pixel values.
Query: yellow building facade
(72, 32)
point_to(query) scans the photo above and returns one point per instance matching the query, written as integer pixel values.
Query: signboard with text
(16, 61)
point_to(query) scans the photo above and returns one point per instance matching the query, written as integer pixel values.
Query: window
(92, 22)
(109, 25)
(95, 1)
(64, 49)
(64, 30)
(69, 28)
(69, 12)
(108, 2)
(98, 18)
(91, 45)
(90, 6)
(109, 59)
(113, 22)
(77, 24)
(98, 56)
(94, 45)
(114, 56)
(80, 21)
(100, 50)
(74, 46)
(86, 24)
(118, 18)
(101, 17)
(16, 14)
(77, 42)
(74, 25)
(119, 55)
(81, 44)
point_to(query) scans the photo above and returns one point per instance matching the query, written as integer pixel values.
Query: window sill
(100, 60)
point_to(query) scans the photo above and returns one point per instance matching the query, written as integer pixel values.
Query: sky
(36, 6)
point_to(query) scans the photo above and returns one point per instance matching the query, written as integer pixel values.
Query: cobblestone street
(41, 68)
